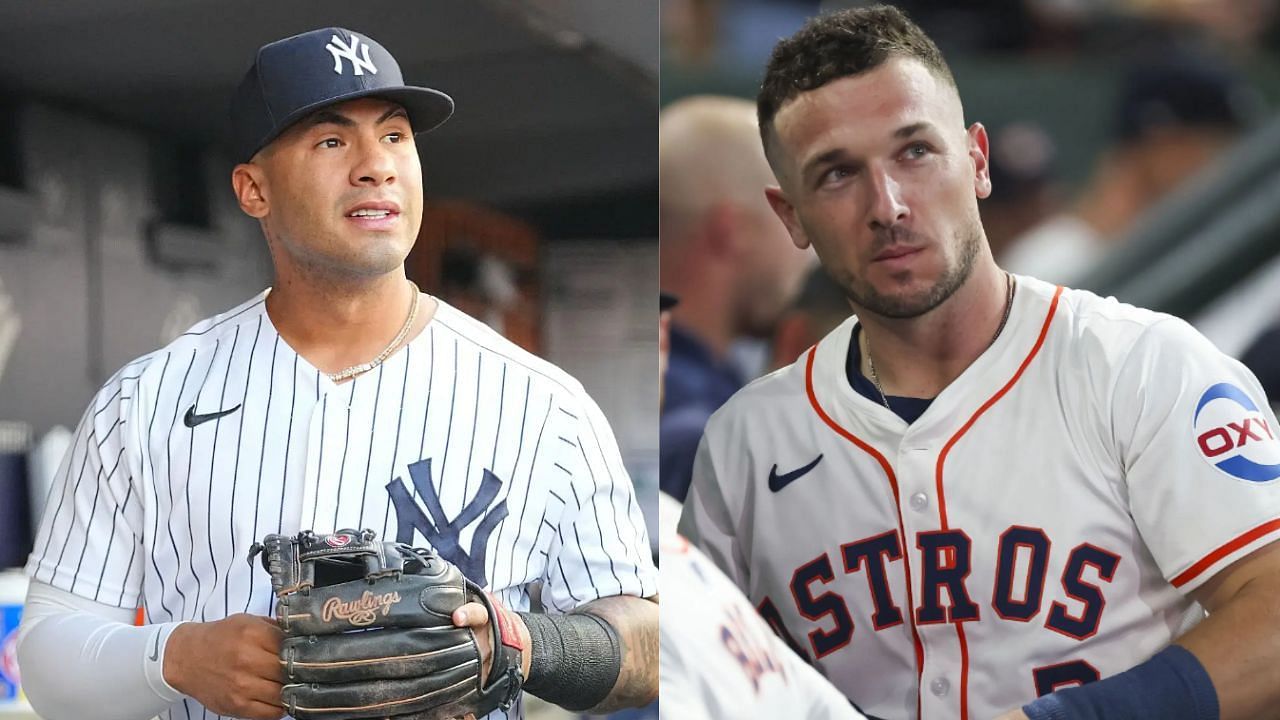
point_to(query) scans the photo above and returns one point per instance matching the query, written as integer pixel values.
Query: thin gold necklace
(1008, 307)
(365, 367)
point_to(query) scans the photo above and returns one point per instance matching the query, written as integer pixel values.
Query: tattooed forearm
(636, 620)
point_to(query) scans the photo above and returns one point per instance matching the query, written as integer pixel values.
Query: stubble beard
(899, 306)
(336, 269)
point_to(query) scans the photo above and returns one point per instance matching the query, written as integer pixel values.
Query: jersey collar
(958, 401)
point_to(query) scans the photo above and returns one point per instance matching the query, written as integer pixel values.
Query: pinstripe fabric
(460, 440)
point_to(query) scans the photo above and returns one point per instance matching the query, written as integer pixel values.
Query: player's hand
(1013, 715)
(474, 616)
(230, 666)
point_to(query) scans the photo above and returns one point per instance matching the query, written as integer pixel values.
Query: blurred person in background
(1174, 117)
(818, 309)
(1024, 185)
(689, 30)
(724, 254)
(1262, 357)
(1238, 27)
(698, 34)
(718, 655)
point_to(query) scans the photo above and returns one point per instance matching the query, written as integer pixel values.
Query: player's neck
(919, 357)
(336, 325)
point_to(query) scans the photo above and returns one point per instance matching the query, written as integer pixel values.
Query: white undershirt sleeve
(81, 658)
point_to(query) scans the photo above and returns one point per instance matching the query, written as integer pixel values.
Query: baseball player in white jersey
(983, 496)
(719, 658)
(342, 397)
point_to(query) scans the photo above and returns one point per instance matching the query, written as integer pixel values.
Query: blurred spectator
(736, 34)
(724, 254)
(1237, 26)
(1263, 360)
(1024, 187)
(1173, 118)
(818, 309)
(728, 33)
(974, 25)
(689, 31)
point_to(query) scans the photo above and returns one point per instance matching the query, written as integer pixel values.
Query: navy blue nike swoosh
(191, 419)
(777, 482)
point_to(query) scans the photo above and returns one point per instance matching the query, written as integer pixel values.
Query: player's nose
(886, 204)
(375, 163)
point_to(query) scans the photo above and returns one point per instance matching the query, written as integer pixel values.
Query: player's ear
(786, 212)
(980, 152)
(249, 183)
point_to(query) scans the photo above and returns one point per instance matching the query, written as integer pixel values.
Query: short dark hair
(837, 45)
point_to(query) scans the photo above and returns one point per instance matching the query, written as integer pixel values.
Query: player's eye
(329, 143)
(394, 137)
(915, 151)
(835, 175)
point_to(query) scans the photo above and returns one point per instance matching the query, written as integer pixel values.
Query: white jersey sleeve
(89, 541)
(600, 548)
(707, 519)
(1201, 452)
(719, 659)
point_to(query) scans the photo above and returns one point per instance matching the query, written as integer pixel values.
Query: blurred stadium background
(1135, 143)
(118, 229)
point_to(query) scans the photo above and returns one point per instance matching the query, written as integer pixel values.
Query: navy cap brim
(428, 109)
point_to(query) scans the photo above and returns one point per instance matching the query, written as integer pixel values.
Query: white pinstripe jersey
(460, 441)
(1040, 525)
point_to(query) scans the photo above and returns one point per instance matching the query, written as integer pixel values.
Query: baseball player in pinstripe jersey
(983, 496)
(341, 397)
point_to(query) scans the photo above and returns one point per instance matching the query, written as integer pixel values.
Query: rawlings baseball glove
(369, 631)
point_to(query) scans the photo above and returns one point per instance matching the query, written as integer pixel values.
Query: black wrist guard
(575, 659)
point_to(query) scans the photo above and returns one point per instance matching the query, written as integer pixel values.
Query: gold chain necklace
(365, 367)
(1008, 307)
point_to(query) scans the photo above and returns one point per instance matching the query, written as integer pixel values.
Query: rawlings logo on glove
(369, 631)
(360, 612)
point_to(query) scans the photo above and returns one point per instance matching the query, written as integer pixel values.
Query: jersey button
(919, 501)
(940, 686)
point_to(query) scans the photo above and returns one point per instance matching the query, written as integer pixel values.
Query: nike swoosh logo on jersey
(192, 419)
(777, 482)
(155, 651)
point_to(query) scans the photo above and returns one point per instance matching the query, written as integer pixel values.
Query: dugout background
(118, 228)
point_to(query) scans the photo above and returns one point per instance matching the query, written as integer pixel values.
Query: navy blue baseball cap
(293, 77)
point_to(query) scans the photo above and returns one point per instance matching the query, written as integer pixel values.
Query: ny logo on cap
(341, 50)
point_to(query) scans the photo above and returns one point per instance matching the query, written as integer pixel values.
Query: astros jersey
(460, 441)
(1040, 525)
(719, 659)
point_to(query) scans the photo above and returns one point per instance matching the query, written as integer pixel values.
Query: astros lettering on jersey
(460, 441)
(1040, 525)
